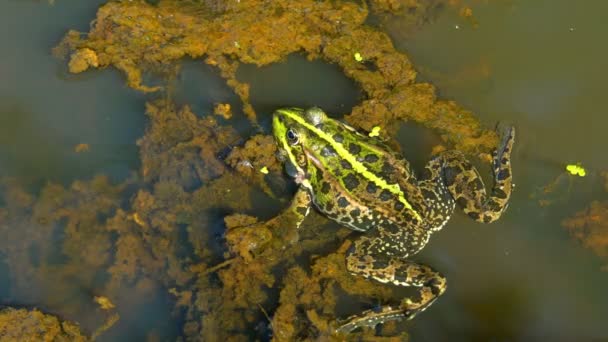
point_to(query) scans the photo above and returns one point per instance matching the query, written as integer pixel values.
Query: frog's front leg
(393, 270)
(300, 206)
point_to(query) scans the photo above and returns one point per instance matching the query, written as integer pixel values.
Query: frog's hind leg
(466, 187)
(395, 271)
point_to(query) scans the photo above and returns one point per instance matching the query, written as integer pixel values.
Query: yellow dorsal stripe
(357, 166)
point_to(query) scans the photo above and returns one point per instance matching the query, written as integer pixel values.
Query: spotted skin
(361, 183)
(300, 206)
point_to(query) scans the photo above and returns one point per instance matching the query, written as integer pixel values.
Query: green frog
(361, 183)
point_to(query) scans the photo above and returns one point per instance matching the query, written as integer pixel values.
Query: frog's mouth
(291, 168)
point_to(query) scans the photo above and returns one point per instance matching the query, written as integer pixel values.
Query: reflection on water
(538, 65)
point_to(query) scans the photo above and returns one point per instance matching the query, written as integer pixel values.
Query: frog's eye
(292, 137)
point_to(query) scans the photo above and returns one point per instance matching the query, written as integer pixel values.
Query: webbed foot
(397, 272)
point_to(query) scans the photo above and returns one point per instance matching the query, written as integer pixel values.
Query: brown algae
(34, 325)
(135, 230)
(134, 36)
(590, 227)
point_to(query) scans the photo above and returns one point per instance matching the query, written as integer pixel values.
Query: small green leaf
(576, 170)
(375, 131)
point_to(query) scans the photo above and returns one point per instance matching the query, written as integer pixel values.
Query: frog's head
(295, 131)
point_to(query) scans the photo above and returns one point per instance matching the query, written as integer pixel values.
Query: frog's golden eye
(292, 137)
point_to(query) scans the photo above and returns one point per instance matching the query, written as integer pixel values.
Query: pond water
(539, 65)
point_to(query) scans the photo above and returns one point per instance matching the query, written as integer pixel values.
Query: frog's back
(361, 183)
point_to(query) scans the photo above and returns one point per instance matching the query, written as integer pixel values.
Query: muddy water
(45, 112)
(538, 65)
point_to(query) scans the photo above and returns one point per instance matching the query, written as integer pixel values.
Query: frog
(360, 182)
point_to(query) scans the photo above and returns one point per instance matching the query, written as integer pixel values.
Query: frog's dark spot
(319, 175)
(436, 287)
(462, 202)
(351, 182)
(385, 195)
(325, 188)
(354, 148)
(421, 277)
(371, 158)
(503, 174)
(425, 174)
(347, 219)
(499, 193)
(328, 151)
(329, 206)
(355, 212)
(474, 215)
(343, 202)
(487, 219)
(407, 215)
(399, 206)
(387, 169)
(365, 223)
(400, 278)
(378, 264)
(345, 164)
(504, 161)
(394, 229)
(477, 184)
(450, 174)
(493, 205)
(371, 187)
(338, 137)
(428, 193)
(458, 188)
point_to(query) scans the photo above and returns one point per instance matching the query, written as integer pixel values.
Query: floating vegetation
(34, 325)
(134, 37)
(181, 225)
(590, 228)
(576, 170)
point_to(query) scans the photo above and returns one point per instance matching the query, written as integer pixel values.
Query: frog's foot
(371, 318)
(300, 206)
(466, 187)
(398, 272)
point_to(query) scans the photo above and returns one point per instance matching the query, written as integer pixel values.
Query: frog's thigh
(467, 188)
(300, 206)
(396, 271)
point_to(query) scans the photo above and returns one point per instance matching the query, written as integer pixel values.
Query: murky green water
(539, 65)
(45, 112)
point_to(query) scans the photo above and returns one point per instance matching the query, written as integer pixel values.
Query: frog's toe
(371, 318)
(506, 133)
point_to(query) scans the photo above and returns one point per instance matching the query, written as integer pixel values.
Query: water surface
(539, 65)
